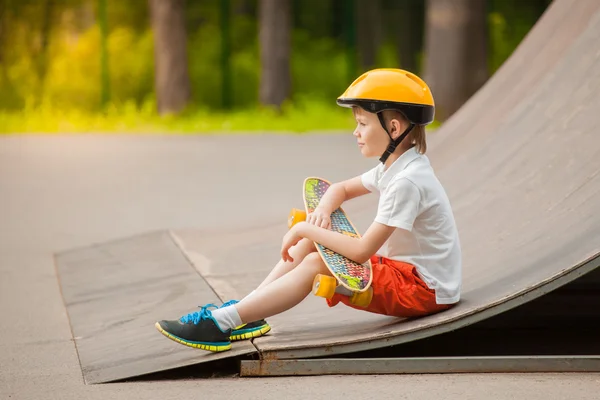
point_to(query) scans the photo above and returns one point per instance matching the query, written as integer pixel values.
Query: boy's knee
(313, 257)
(308, 244)
(315, 262)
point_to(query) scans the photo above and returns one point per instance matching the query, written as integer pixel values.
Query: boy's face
(370, 135)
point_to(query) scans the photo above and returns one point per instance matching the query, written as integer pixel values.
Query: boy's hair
(416, 137)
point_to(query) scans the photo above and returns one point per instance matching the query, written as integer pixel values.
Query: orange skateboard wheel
(362, 299)
(296, 215)
(324, 286)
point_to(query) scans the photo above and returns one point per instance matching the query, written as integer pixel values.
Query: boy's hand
(319, 218)
(289, 240)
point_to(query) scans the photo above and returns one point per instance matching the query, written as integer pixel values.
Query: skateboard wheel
(324, 286)
(296, 216)
(362, 299)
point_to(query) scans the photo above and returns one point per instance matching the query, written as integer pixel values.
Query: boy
(413, 242)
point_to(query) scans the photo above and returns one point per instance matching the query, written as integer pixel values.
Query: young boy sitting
(413, 242)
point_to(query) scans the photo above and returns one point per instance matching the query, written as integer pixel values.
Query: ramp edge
(426, 365)
(460, 321)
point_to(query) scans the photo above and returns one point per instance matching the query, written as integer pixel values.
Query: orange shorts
(397, 291)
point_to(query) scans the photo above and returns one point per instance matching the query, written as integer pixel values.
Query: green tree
(172, 81)
(370, 31)
(455, 52)
(275, 49)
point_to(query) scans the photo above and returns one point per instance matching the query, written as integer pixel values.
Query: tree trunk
(275, 46)
(369, 25)
(477, 47)
(172, 81)
(2, 10)
(84, 16)
(409, 32)
(456, 52)
(42, 57)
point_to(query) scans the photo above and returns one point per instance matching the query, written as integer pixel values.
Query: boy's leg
(283, 293)
(260, 327)
(298, 252)
(212, 332)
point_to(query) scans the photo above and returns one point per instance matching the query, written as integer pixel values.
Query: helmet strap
(393, 143)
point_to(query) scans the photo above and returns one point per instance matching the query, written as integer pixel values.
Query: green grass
(306, 117)
(130, 119)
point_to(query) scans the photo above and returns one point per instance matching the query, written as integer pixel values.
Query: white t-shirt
(413, 199)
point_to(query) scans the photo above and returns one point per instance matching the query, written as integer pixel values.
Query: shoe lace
(229, 303)
(198, 316)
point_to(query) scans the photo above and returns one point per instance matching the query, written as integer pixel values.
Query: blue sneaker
(249, 330)
(198, 329)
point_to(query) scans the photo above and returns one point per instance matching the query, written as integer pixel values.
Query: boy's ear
(395, 128)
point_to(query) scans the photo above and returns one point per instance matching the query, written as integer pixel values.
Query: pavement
(519, 152)
(65, 192)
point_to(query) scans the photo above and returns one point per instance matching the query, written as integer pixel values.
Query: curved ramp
(520, 162)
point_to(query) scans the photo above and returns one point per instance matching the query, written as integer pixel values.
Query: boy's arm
(359, 250)
(340, 192)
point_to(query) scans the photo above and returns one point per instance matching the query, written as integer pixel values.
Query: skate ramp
(116, 291)
(520, 162)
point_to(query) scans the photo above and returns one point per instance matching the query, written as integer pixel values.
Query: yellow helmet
(391, 89)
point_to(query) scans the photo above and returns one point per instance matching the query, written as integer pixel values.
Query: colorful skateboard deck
(353, 276)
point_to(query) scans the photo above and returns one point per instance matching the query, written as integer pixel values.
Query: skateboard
(349, 278)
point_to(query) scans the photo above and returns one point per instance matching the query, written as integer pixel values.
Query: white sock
(227, 317)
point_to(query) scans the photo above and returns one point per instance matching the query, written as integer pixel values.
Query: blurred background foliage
(51, 60)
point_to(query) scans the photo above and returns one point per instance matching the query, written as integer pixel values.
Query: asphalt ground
(60, 193)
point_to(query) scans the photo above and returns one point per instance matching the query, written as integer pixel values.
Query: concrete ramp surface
(520, 162)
